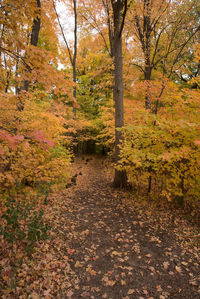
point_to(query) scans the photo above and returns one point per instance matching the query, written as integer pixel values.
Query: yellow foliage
(164, 146)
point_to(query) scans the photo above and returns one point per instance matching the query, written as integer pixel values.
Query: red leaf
(70, 251)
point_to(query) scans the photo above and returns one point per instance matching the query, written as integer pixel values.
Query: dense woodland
(108, 77)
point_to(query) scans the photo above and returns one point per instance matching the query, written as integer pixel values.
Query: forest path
(101, 248)
(117, 253)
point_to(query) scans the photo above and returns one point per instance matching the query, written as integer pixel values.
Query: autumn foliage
(51, 105)
(164, 147)
(34, 149)
(125, 86)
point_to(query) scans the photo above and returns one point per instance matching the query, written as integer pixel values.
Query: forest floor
(102, 246)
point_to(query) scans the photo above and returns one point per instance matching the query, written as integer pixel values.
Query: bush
(22, 222)
(166, 152)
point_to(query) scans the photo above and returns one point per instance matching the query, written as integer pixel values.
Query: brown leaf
(159, 289)
(123, 282)
(131, 291)
(178, 269)
(78, 265)
(166, 265)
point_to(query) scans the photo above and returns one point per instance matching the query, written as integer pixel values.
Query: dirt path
(99, 249)
(116, 253)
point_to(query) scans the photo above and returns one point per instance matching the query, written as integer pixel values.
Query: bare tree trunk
(8, 75)
(34, 39)
(144, 31)
(147, 49)
(1, 36)
(74, 90)
(75, 54)
(17, 89)
(120, 178)
(36, 27)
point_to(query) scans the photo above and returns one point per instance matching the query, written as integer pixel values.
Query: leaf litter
(101, 248)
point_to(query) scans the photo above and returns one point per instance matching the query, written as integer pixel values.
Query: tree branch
(15, 56)
(98, 30)
(63, 34)
(123, 17)
(182, 47)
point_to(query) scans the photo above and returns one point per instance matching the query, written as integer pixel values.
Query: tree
(119, 13)
(32, 145)
(94, 77)
(34, 37)
(108, 21)
(164, 29)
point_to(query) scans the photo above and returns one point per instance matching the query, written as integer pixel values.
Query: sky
(67, 22)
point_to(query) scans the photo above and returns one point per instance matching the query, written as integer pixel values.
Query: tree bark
(75, 54)
(147, 49)
(144, 32)
(36, 27)
(34, 39)
(120, 178)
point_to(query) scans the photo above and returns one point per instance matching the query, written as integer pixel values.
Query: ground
(102, 247)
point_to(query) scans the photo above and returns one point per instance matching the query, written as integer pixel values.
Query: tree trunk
(34, 39)
(147, 77)
(75, 54)
(120, 178)
(144, 31)
(147, 49)
(74, 90)
(36, 27)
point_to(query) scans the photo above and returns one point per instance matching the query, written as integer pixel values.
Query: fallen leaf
(5, 278)
(184, 263)
(116, 253)
(93, 272)
(166, 265)
(47, 292)
(78, 265)
(159, 289)
(123, 283)
(131, 291)
(178, 269)
(34, 295)
(70, 251)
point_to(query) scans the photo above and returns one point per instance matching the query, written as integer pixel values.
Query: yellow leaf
(5, 278)
(184, 263)
(116, 253)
